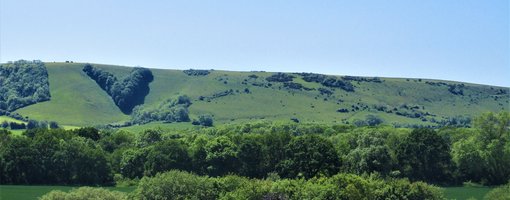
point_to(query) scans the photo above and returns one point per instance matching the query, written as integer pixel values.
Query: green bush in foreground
(184, 185)
(85, 193)
(500, 193)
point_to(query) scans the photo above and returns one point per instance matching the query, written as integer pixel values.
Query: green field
(461, 193)
(9, 119)
(22, 192)
(76, 100)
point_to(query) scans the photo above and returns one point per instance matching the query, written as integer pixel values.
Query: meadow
(33, 192)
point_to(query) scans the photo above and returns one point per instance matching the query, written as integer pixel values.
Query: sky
(461, 40)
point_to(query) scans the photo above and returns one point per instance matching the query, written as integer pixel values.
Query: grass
(166, 127)
(466, 192)
(10, 119)
(23, 192)
(76, 100)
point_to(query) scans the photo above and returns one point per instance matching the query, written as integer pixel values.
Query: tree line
(126, 93)
(87, 156)
(22, 83)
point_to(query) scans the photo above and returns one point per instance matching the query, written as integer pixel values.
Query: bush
(500, 193)
(280, 77)
(196, 72)
(54, 125)
(176, 185)
(205, 120)
(171, 110)
(84, 193)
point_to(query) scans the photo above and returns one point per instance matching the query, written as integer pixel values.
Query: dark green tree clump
(52, 156)
(425, 155)
(308, 156)
(280, 77)
(484, 156)
(196, 72)
(329, 81)
(171, 110)
(126, 93)
(23, 83)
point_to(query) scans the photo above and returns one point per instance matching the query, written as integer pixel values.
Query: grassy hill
(233, 97)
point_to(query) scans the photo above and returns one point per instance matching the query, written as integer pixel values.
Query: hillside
(233, 97)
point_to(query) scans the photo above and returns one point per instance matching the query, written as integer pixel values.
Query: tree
(205, 120)
(373, 120)
(54, 125)
(199, 154)
(167, 155)
(18, 161)
(132, 163)
(251, 157)
(15, 126)
(88, 132)
(485, 156)
(84, 163)
(148, 137)
(32, 124)
(5, 124)
(23, 83)
(370, 154)
(309, 155)
(274, 150)
(116, 140)
(126, 93)
(221, 156)
(425, 155)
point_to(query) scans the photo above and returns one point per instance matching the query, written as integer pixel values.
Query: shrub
(205, 120)
(171, 110)
(500, 193)
(196, 72)
(280, 77)
(84, 193)
(176, 185)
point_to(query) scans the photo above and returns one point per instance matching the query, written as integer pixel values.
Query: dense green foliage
(330, 81)
(31, 192)
(500, 193)
(309, 156)
(171, 110)
(126, 93)
(182, 185)
(22, 83)
(85, 193)
(315, 160)
(52, 157)
(484, 155)
(425, 155)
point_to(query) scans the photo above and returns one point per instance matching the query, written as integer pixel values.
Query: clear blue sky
(461, 40)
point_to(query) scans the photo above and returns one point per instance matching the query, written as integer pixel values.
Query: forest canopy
(23, 83)
(127, 92)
